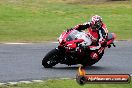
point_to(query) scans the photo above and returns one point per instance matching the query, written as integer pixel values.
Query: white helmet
(96, 22)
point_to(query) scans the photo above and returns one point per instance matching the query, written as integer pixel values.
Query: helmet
(96, 22)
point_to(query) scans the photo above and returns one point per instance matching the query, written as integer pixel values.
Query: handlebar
(109, 46)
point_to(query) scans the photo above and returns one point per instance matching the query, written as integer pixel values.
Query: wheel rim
(52, 60)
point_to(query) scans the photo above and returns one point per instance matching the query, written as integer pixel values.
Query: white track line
(37, 81)
(2, 83)
(16, 43)
(55, 42)
(12, 83)
(27, 82)
(58, 42)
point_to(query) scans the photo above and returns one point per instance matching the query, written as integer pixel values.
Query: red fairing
(111, 40)
(73, 44)
(63, 37)
(114, 35)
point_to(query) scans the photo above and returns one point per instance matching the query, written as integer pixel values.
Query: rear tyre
(51, 59)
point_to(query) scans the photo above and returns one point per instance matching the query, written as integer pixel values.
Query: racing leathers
(98, 37)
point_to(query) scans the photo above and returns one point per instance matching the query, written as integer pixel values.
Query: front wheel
(51, 59)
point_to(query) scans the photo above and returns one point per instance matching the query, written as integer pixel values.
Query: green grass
(44, 20)
(66, 84)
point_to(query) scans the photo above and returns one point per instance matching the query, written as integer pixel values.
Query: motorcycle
(71, 51)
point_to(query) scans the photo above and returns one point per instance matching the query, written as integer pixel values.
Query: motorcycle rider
(98, 33)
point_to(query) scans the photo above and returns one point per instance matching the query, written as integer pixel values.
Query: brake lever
(113, 44)
(109, 46)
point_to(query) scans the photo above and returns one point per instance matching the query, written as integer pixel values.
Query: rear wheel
(51, 59)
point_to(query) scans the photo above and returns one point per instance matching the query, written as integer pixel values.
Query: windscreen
(72, 35)
(79, 35)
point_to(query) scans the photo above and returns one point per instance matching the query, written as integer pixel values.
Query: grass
(65, 84)
(44, 20)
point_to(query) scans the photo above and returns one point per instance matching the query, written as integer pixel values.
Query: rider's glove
(69, 29)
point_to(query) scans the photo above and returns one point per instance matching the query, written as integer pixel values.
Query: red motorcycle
(71, 50)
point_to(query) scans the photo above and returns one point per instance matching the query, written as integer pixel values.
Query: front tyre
(51, 59)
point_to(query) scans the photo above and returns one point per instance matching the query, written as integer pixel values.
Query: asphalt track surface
(20, 62)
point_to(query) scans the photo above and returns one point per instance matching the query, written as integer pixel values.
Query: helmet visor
(96, 26)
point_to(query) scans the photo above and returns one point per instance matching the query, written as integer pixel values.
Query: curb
(28, 82)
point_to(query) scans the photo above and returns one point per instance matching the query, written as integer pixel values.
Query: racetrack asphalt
(20, 62)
